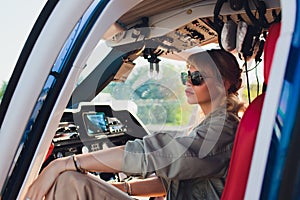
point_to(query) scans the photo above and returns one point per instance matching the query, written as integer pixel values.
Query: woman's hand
(46, 179)
(120, 185)
(147, 187)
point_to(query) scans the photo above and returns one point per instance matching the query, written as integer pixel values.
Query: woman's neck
(206, 108)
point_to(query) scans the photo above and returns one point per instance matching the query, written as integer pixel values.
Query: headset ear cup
(250, 43)
(228, 36)
(241, 32)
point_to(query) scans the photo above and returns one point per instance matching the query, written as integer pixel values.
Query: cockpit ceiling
(149, 8)
(191, 23)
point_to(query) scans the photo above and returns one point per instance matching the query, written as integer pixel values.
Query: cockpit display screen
(95, 123)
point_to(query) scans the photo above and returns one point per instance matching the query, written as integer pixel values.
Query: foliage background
(160, 99)
(2, 89)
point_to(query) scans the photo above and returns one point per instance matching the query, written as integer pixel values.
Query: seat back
(244, 142)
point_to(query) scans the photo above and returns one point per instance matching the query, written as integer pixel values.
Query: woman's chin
(191, 101)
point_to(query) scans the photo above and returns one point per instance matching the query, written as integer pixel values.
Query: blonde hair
(226, 66)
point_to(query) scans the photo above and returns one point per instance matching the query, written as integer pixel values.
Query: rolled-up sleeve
(203, 153)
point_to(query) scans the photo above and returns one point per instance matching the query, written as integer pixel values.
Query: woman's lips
(189, 92)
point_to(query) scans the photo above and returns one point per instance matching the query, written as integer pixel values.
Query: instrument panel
(94, 127)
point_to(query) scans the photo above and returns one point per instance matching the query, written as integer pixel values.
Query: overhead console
(94, 127)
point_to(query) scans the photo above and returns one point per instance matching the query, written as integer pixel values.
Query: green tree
(160, 99)
(254, 92)
(2, 89)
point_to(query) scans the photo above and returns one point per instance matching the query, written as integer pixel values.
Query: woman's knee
(67, 177)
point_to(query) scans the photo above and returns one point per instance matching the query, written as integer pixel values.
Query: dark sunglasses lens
(184, 77)
(196, 78)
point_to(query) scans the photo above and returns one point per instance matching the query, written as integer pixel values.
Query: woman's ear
(227, 85)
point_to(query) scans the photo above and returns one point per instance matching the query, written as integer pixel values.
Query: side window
(254, 74)
(2, 89)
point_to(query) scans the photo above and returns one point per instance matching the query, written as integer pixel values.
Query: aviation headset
(240, 37)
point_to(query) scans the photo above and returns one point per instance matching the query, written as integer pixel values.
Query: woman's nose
(188, 82)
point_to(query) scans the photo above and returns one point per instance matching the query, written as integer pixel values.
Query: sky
(17, 19)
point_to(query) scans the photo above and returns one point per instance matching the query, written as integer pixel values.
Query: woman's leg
(73, 185)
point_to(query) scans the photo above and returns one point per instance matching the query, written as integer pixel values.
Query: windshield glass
(14, 33)
(153, 93)
(159, 100)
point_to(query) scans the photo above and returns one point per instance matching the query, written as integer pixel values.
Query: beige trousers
(73, 185)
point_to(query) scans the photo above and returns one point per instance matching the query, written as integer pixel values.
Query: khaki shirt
(192, 166)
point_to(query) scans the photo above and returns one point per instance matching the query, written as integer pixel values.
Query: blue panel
(285, 119)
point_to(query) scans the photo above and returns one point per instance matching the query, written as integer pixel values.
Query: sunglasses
(196, 77)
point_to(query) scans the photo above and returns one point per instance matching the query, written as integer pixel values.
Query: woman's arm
(108, 160)
(204, 152)
(148, 187)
